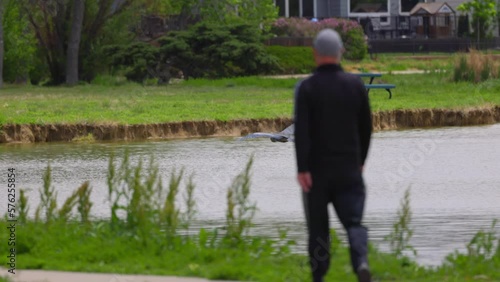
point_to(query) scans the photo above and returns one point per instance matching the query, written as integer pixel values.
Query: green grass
(144, 236)
(296, 60)
(5, 279)
(225, 99)
(100, 249)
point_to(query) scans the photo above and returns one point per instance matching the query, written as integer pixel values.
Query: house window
(294, 7)
(368, 6)
(407, 5)
(308, 8)
(383, 21)
(281, 7)
(442, 20)
(291, 8)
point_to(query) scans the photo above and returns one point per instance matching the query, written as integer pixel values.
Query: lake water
(454, 175)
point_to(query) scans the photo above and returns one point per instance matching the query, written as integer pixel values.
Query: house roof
(431, 9)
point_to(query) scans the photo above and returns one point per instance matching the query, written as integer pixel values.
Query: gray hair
(328, 43)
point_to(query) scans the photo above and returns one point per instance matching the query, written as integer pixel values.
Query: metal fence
(446, 45)
(423, 26)
(405, 45)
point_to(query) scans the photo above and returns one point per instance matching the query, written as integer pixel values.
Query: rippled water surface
(454, 175)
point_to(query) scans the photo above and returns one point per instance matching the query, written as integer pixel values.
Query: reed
(475, 67)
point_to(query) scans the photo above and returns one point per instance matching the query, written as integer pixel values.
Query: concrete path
(382, 72)
(61, 276)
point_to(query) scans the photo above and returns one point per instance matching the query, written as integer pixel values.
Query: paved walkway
(382, 72)
(61, 276)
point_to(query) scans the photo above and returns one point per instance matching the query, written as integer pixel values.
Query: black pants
(347, 194)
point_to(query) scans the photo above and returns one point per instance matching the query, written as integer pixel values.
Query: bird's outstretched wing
(289, 130)
(275, 137)
(283, 136)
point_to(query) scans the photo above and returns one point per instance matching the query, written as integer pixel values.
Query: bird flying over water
(283, 136)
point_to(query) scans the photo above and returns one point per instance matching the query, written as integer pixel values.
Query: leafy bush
(475, 67)
(20, 45)
(139, 61)
(293, 60)
(351, 32)
(355, 44)
(260, 13)
(214, 51)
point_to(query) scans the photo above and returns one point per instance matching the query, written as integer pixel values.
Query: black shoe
(364, 274)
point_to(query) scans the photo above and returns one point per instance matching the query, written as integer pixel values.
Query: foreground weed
(190, 204)
(240, 211)
(399, 238)
(483, 243)
(80, 199)
(481, 260)
(170, 213)
(48, 203)
(64, 213)
(84, 204)
(23, 206)
(142, 207)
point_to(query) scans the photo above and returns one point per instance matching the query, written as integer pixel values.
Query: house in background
(434, 20)
(383, 18)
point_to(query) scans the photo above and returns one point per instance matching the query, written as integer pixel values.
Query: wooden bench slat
(387, 87)
(368, 74)
(384, 86)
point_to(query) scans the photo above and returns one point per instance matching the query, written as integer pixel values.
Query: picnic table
(370, 85)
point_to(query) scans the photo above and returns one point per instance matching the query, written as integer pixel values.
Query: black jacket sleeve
(364, 123)
(302, 136)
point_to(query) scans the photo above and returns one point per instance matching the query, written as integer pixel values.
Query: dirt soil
(388, 120)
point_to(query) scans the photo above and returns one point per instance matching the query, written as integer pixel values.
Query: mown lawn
(225, 99)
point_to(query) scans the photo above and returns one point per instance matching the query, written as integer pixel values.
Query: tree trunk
(1, 42)
(74, 42)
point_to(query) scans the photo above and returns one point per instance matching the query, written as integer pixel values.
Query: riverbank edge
(385, 120)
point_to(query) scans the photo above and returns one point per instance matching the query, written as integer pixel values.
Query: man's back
(332, 136)
(333, 121)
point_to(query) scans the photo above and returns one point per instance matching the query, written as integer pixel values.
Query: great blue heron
(283, 136)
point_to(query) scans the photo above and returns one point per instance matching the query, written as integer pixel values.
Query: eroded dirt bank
(398, 119)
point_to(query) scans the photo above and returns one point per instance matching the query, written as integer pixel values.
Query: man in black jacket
(332, 134)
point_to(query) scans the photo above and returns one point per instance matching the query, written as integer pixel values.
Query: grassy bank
(225, 99)
(146, 234)
(299, 60)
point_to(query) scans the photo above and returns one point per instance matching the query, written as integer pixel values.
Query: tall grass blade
(23, 206)
(84, 203)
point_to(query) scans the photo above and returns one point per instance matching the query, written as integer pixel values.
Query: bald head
(328, 44)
